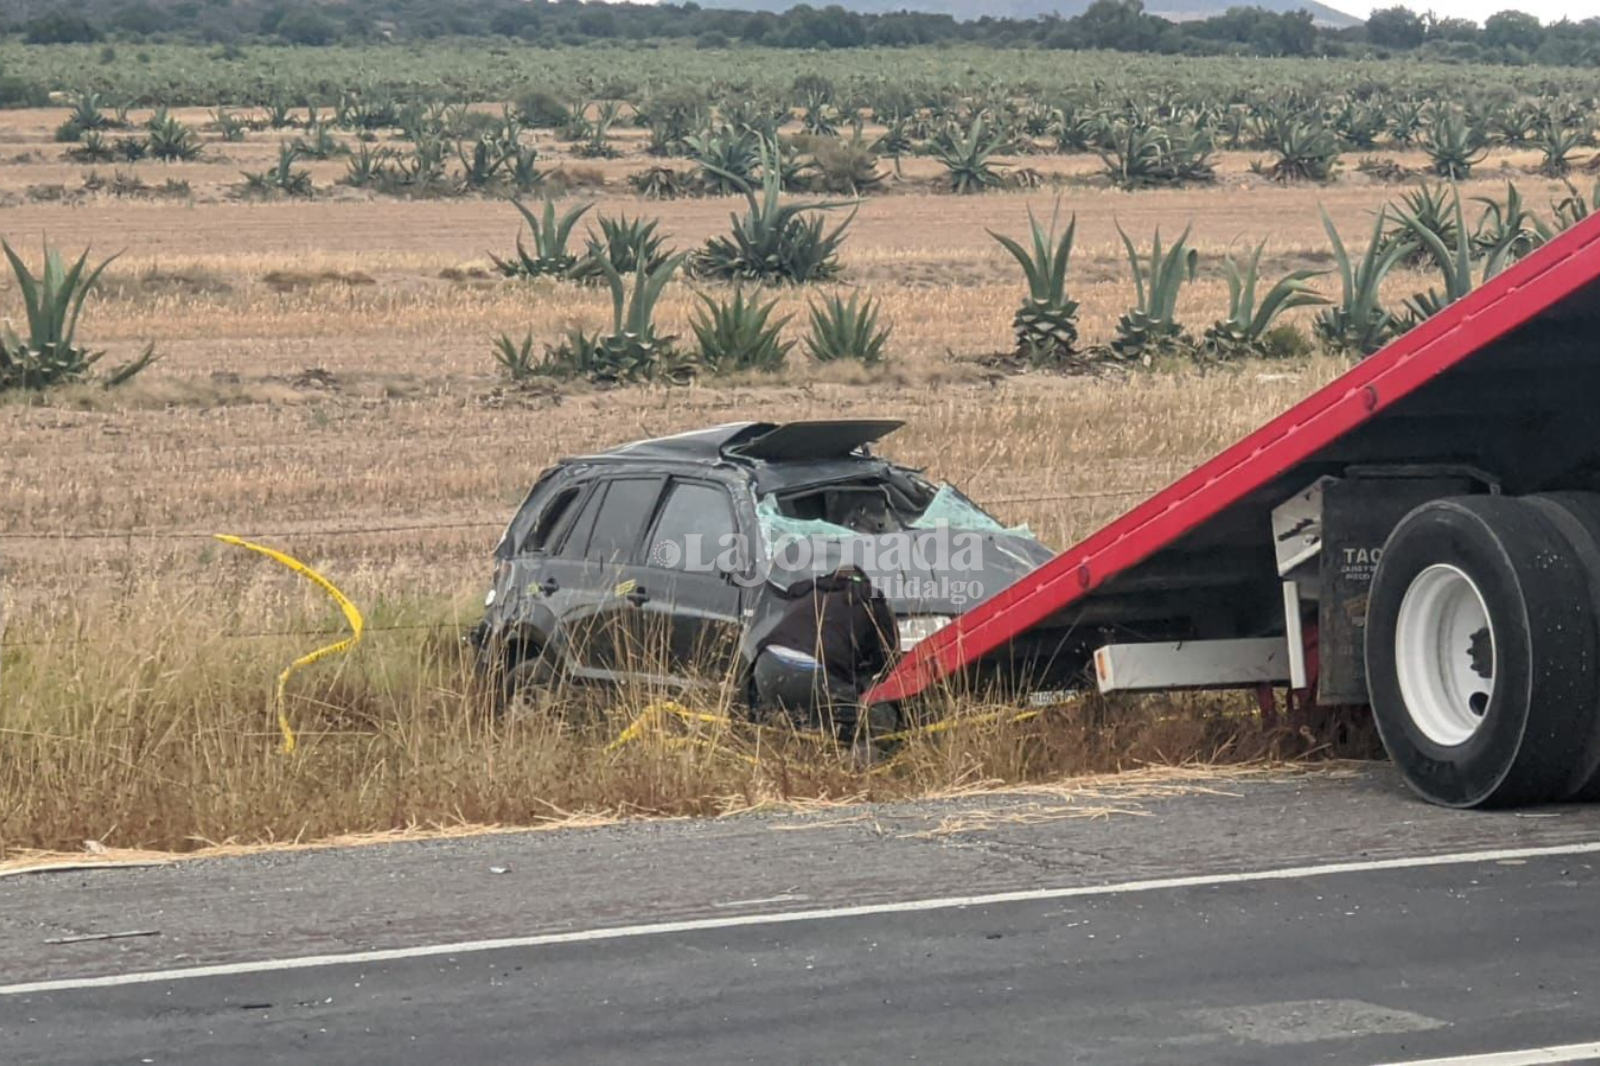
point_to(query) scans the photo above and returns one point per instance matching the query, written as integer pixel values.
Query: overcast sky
(1547, 10)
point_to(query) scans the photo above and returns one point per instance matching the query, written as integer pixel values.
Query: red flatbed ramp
(1506, 380)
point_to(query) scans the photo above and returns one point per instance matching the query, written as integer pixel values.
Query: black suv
(667, 560)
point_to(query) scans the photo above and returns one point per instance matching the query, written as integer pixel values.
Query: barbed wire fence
(130, 535)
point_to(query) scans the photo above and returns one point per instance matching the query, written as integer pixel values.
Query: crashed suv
(671, 561)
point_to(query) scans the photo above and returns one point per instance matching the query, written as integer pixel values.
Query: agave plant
(423, 171)
(966, 156)
(52, 301)
(762, 116)
(1188, 155)
(624, 243)
(1037, 120)
(1151, 327)
(132, 149)
(1139, 156)
(507, 132)
(1453, 146)
(739, 334)
(632, 350)
(285, 177)
(522, 168)
(671, 118)
(1405, 120)
(1430, 206)
(1556, 145)
(87, 113)
(480, 165)
(895, 142)
(550, 256)
(1046, 325)
(1359, 124)
(1306, 152)
(775, 241)
(369, 113)
(1246, 329)
(1234, 124)
(1358, 322)
(280, 115)
(319, 141)
(93, 148)
(819, 117)
(1508, 229)
(1512, 126)
(1131, 153)
(170, 140)
(726, 158)
(596, 142)
(1075, 128)
(366, 165)
(1572, 208)
(86, 116)
(229, 125)
(520, 362)
(847, 331)
(794, 168)
(1455, 265)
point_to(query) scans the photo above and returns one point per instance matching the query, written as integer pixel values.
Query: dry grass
(134, 686)
(135, 732)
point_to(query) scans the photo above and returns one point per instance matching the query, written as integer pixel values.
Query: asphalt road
(1315, 919)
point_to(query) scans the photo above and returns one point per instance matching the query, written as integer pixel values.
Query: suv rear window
(621, 521)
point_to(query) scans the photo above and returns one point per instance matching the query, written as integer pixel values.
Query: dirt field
(325, 369)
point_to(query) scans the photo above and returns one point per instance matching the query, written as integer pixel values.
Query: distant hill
(965, 10)
(1183, 10)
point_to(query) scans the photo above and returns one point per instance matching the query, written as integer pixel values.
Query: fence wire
(427, 527)
(261, 634)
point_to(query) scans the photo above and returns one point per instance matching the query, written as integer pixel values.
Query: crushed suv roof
(769, 442)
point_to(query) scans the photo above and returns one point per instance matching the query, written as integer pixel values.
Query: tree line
(1510, 37)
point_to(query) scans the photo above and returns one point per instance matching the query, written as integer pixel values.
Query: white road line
(1529, 1057)
(734, 921)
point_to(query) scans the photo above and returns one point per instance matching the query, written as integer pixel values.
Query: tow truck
(1421, 536)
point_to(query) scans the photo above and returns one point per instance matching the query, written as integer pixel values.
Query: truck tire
(1480, 651)
(1577, 516)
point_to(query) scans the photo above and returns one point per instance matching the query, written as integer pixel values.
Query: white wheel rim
(1445, 655)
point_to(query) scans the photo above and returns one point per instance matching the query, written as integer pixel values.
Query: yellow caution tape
(652, 717)
(352, 615)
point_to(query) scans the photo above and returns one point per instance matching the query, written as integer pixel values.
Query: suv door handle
(549, 586)
(638, 596)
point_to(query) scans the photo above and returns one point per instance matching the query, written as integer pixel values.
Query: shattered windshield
(897, 502)
(952, 509)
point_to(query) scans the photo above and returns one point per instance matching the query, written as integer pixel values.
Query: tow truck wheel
(1480, 652)
(1577, 515)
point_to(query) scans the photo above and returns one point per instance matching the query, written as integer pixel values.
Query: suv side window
(695, 528)
(620, 523)
(553, 519)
